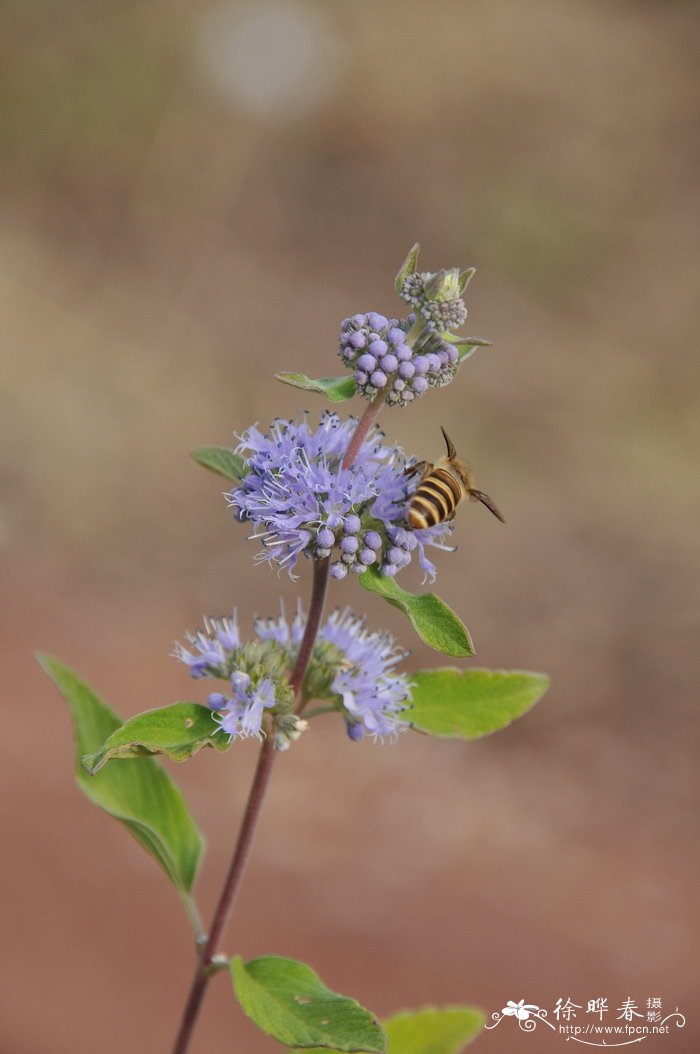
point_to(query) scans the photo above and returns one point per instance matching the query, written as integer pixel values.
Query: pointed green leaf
(178, 731)
(407, 267)
(138, 793)
(337, 389)
(466, 704)
(432, 1031)
(465, 351)
(432, 619)
(221, 460)
(477, 342)
(438, 286)
(465, 278)
(286, 1000)
(466, 346)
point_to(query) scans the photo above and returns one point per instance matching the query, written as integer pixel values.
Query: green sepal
(468, 704)
(178, 731)
(465, 278)
(432, 619)
(286, 1000)
(430, 1030)
(434, 287)
(139, 793)
(409, 266)
(337, 389)
(221, 460)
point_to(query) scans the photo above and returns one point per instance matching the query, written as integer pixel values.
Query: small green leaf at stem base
(138, 793)
(287, 1000)
(177, 731)
(337, 389)
(467, 704)
(429, 1031)
(432, 619)
(221, 460)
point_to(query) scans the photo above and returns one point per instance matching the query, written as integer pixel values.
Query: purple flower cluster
(301, 501)
(350, 668)
(372, 693)
(362, 668)
(255, 682)
(207, 649)
(440, 315)
(241, 715)
(376, 349)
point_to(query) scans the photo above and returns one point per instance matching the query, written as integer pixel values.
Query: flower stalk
(261, 778)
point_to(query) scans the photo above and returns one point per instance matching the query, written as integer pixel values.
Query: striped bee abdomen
(435, 500)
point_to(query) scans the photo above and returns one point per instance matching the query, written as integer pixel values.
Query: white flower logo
(521, 1010)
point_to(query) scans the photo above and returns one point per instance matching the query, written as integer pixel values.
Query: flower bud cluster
(441, 312)
(376, 349)
(359, 547)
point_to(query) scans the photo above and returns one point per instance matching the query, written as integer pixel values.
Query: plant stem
(372, 411)
(364, 425)
(262, 773)
(228, 893)
(250, 819)
(318, 710)
(313, 623)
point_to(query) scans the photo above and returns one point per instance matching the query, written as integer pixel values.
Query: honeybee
(441, 489)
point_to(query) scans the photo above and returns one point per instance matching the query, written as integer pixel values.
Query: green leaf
(432, 1031)
(432, 619)
(466, 704)
(465, 278)
(337, 389)
(178, 731)
(464, 351)
(476, 342)
(286, 1000)
(221, 460)
(139, 793)
(407, 267)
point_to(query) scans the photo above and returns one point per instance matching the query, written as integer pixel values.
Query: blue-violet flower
(351, 669)
(301, 501)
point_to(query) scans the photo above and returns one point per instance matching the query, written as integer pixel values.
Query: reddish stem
(364, 426)
(264, 766)
(250, 819)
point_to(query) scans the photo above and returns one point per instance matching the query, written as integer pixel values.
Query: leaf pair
(287, 1000)
(284, 998)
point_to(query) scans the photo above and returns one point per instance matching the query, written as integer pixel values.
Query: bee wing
(478, 495)
(424, 467)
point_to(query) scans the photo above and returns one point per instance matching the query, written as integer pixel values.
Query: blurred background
(193, 197)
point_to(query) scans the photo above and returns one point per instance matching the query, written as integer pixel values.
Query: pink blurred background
(194, 196)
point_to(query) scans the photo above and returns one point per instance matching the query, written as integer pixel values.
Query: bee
(441, 489)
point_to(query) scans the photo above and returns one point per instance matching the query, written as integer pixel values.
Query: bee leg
(424, 467)
(451, 448)
(478, 495)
